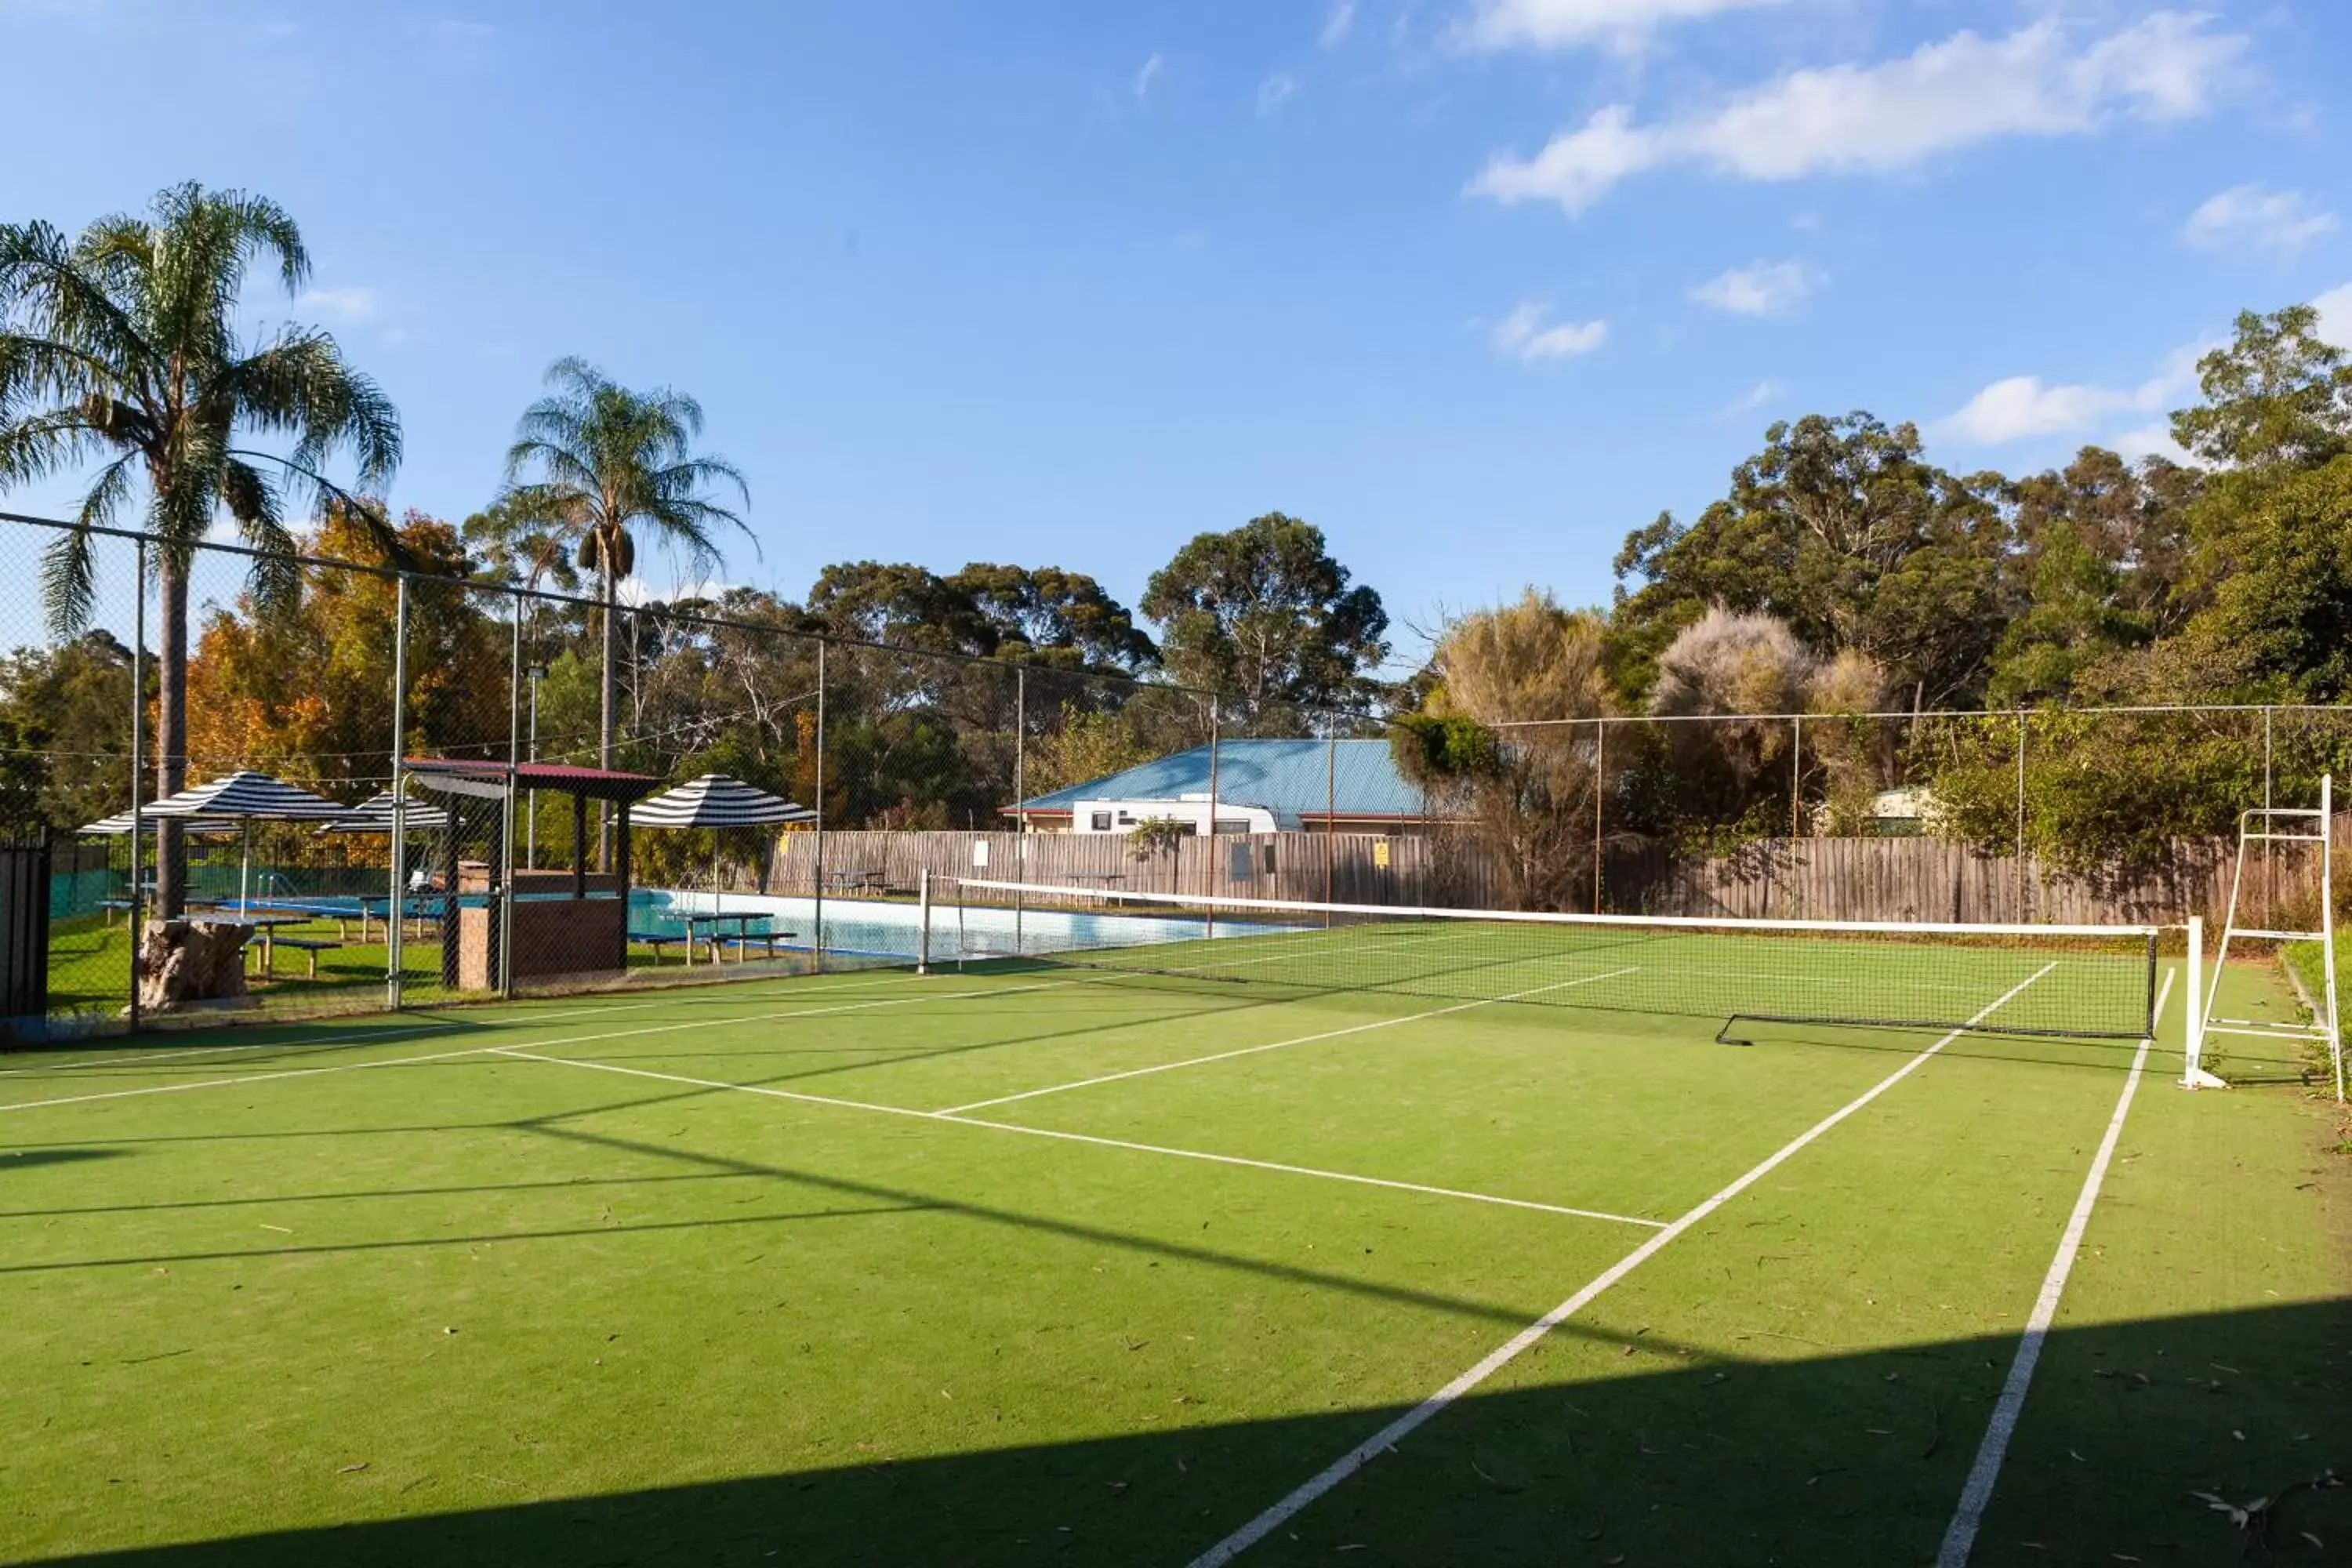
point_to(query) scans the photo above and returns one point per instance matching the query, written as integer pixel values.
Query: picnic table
(743, 933)
(849, 880)
(265, 926)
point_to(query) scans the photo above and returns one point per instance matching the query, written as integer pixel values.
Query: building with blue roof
(1261, 786)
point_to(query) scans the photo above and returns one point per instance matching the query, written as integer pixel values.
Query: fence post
(1796, 775)
(505, 967)
(396, 913)
(1211, 909)
(1020, 801)
(2024, 903)
(2270, 866)
(138, 898)
(816, 882)
(1600, 794)
(1330, 804)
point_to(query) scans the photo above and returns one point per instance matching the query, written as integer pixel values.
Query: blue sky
(1475, 285)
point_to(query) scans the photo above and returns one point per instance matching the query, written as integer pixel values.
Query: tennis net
(2081, 982)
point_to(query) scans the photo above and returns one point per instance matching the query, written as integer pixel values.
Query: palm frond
(253, 502)
(69, 582)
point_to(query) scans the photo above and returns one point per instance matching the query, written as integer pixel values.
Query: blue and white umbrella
(714, 800)
(248, 797)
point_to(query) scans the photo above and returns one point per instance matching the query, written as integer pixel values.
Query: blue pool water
(891, 930)
(866, 927)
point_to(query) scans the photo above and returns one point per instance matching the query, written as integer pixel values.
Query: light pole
(537, 672)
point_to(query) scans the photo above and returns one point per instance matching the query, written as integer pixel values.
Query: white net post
(923, 921)
(2327, 925)
(2193, 1033)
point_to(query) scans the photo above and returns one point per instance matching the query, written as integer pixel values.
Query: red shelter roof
(594, 783)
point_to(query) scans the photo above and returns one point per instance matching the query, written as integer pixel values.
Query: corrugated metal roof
(1289, 778)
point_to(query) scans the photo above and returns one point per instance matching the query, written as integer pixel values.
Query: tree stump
(182, 963)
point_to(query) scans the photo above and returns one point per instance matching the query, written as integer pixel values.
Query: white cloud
(2021, 405)
(2335, 309)
(1523, 335)
(1274, 89)
(1757, 291)
(1146, 74)
(353, 304)
(1566, 24)
(2252, 215)
(1756, 396)
(1892, 115)
(1337, 24)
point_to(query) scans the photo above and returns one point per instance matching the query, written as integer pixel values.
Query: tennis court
(1373, 1244)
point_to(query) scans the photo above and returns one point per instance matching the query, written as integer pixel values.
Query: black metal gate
(23, 935)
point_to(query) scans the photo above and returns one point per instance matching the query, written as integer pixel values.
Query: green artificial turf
(532, 1284)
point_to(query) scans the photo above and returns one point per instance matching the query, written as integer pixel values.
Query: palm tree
(122, 344)
(610, 459)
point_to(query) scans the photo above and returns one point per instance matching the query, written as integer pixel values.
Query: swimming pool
(875, 929)
(868, 928)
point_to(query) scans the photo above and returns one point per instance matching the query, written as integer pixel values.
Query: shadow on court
(1630, 1457)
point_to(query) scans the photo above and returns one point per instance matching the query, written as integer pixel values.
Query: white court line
(1279, 1045)
(1301, 1171)
(485, 1050)
(1396, 1431)
(953, 1120)
(1961, 1539)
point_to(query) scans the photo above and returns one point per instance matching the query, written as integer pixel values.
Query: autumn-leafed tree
(304, 688)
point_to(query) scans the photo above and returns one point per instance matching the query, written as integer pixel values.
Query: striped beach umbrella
(714, 800)
(118, 824)
(248, 797)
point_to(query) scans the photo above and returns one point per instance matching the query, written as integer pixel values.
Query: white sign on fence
(979, 853)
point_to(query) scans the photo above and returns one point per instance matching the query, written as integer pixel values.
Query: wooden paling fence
(1917, 878)
(1346, 868)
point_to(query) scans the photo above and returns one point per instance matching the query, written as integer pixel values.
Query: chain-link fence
(528, 805)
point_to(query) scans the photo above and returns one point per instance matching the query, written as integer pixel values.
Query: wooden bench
(657, 942)
(310, 947)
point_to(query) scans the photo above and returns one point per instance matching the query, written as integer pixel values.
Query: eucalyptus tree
(122, 347)
(593, 461)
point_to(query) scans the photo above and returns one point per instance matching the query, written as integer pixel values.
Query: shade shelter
(717, 802)
(498, 929)
(245, 797)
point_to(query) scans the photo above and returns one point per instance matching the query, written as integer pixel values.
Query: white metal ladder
(2273, 824)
